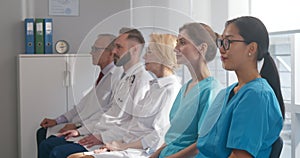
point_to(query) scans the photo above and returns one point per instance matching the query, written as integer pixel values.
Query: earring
(249, 54)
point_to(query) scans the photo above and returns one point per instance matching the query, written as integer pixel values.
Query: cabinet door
(83, 75)
(42, 93)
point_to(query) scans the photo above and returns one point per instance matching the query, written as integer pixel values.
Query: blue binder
(29, 35)
(48, 30)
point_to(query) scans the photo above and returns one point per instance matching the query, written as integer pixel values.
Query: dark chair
(276, 148)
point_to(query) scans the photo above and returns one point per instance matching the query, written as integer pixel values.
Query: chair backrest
(276, 148)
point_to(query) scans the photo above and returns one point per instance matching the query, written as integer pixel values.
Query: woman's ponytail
(270, 73)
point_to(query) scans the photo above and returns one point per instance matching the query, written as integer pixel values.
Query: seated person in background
(88, 105)
(246, 118)
(195, 48)
(128, 92)
(145, 132)
(96, 101)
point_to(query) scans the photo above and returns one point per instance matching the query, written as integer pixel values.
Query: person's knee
(41, 132)
(41, 129)
(41, 135)
(57, 152)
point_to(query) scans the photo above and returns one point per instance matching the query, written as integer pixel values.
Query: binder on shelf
(39, 36)
(29, 35)
(48, 33)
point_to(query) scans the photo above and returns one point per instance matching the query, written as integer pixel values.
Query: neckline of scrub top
(196, 87)
(218, 105)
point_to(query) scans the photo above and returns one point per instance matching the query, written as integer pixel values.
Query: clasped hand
(90, 141)
(48, 123)
(113, 146)
(68, 134)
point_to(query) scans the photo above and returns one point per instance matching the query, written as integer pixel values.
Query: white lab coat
(94, 103)
(150, 119)
(128, 92)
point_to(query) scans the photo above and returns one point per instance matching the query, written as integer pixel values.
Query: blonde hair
(165, 44)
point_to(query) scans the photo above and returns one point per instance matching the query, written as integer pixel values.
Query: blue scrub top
(250, 121)
(187, 114)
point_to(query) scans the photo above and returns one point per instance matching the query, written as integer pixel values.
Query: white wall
(11, 33)
(75, 29)
(169, 15)
(219, 14)
(281, 16)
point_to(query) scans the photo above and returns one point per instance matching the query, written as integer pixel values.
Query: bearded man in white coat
(131, 89)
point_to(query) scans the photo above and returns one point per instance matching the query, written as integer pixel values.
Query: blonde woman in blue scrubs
(195, 48)
(246, 118)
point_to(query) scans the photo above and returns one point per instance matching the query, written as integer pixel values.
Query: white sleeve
(89, 125)
(71, 114)
(156, 138)
(160, 125)
(113, 134)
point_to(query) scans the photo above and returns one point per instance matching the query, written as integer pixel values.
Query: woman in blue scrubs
(246, 118)
(195, 48)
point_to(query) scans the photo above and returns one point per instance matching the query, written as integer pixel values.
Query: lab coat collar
(107, 68)
(132, 70)
(164, 81)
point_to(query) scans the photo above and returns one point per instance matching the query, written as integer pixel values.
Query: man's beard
(124, 60)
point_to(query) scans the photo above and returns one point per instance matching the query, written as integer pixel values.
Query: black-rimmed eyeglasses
(225, 43)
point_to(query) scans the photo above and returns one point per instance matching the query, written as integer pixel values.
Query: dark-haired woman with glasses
(246, 118)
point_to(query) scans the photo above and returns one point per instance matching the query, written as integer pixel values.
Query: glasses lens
(96, 49)
(219, 43)
(226, 44)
